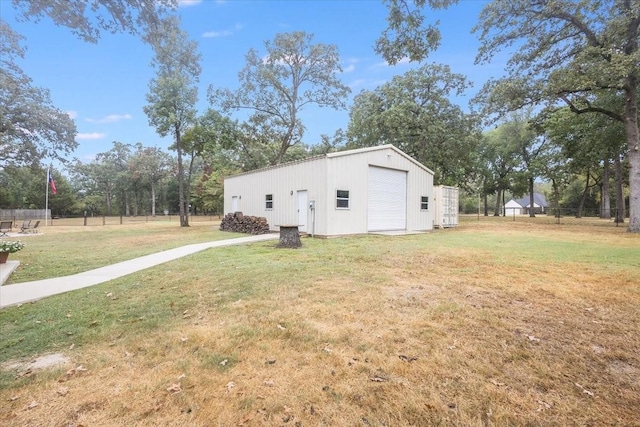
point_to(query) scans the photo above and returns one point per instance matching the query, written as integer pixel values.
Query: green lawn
(491, 323)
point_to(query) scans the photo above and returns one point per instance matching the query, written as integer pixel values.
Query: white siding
(283, 182)
(321, 178)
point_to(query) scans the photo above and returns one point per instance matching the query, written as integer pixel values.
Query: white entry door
(303, 201)
(234, 204)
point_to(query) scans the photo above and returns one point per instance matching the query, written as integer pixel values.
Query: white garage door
(387, 201)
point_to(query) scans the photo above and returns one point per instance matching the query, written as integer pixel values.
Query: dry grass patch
(457, 327)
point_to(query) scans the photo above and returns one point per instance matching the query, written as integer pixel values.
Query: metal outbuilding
(347, 192)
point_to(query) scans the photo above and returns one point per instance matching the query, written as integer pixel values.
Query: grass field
(495, 323)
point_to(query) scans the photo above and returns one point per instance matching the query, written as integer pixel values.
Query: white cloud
(402, 61)
(93, 135)
(214, 34)
(72, 114)
(349, 68)
(366, 83)
(223, 33)
(111, 118)
(187, 3)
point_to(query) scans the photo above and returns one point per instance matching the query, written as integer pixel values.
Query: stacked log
(239, 223)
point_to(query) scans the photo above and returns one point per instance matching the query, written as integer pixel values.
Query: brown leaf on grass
(230, 385)
(174, 388)
(532, 338)
(584, 390)
(407, 358)
(76, 370)
(32, 405)
(378, 379)
(497, 384)
(62, 391)
(25, 373)
(279, 326)
(543, 405)
(269, 383)
(13, 398)
(246, 419)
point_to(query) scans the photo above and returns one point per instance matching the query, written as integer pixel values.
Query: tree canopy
(414, 112)
(31, 127)
(581, 53)
(276, 86)
(174, 92)
(88, 18)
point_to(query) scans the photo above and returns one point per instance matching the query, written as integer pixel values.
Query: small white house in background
(521, 206)
(347, 192)
(446, 205)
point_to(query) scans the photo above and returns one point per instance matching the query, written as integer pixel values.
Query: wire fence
(562, 215)
(98, 220)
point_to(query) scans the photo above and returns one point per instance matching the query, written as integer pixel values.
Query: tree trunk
(532, 209)
(127, 204)
(184, 219)
(486, 205)
(633, 142)
(584, 197)
(605, 196)
(556, 197)
(135, 203)
(107, 200)
(153, 199)
(619, 194)
(496, 211)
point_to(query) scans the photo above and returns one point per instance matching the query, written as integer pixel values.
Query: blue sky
(103, 86)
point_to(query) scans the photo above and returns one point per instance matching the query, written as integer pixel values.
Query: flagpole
(46, 203)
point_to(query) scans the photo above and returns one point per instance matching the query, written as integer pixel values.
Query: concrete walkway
(30, 291)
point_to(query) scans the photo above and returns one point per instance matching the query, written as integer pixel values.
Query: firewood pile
(239, 223)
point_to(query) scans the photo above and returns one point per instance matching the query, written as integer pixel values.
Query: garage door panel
(387, 199)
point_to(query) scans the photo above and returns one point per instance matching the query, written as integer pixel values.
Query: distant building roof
(538, 199)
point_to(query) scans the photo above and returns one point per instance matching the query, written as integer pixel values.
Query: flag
(54, 190)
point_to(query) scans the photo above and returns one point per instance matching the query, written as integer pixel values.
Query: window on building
(268, 201)
(424, 203)
(342, 199)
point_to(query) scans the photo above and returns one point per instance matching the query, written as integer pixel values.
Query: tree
(414, 113)
(408, 35)
(294, 73)
(532, 150)
(501, 153)
(589, 145)
(149, 166)
(173, 93)
(31, 128)
(581, 53)
(568, 51)
(87, 19)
